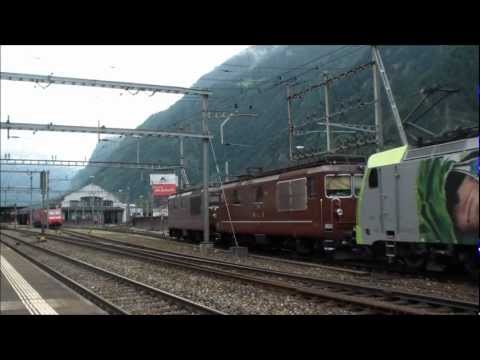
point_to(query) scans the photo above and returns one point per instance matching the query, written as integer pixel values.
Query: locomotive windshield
(340, 185)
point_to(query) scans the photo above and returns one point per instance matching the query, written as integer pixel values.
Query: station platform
(26, 289)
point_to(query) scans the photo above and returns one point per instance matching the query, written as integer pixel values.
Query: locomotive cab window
(357, 184)
(338, 185)
(373, 179)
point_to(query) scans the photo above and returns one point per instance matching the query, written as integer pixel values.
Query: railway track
(113, 292)
(379, 300)
(350, 266)
(354, 269)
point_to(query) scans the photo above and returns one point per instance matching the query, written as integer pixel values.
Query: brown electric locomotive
(307, 207)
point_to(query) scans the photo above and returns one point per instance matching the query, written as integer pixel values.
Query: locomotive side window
(311, 191)
(292, 195)
(283, 196)
(298, 199)
(357, 184)
(340, 185)
(373, 179)
(236, 197)
(259, 195)
(195, 205)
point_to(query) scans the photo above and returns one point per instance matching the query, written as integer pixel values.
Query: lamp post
(142, 204)
(229, 116)
(119, 192)
(138, 154)
(93, 200)
(127, 208)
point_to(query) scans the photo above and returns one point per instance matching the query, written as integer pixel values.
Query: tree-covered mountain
(255, 80)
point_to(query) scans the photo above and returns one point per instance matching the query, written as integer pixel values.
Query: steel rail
(148, 248)
(185, 302)
(98, 300)
(386, 300)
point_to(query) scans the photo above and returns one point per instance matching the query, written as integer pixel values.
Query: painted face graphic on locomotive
(447, 195)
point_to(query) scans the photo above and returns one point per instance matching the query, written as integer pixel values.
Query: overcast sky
(72, 105)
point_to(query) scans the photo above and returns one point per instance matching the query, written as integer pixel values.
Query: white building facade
(93, 204)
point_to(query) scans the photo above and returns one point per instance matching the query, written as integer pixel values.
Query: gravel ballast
(456, 290)
(229, 296)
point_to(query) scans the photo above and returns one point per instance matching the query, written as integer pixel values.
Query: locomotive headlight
(214, 216)
(339, 212)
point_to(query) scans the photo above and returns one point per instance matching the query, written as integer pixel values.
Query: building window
(311, 191)
(259, 195)
(338, 185)
(373, 179)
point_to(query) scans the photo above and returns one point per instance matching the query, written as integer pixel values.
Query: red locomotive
(305, 207)
(55, 218)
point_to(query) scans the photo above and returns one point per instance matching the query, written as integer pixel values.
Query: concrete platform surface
(26, 289)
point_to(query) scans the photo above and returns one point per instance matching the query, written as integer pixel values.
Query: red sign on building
(164, 189)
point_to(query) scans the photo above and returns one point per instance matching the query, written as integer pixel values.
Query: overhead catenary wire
(224, 196)
(295, 78)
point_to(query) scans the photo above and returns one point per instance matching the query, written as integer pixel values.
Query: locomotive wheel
(471, 267)
(412, 258)
(304, 247)
(414, 263)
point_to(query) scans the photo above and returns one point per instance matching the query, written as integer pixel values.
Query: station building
(94, 205)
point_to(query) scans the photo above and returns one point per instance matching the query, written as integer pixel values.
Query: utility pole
(43, 188)
(31, 200)
(327, 112)
(93, 207)
(48, 195)
(128, 205)
(226, 170)
(378, 104)
(138, 158)
(290, 124)
(205, 140)
(182, 165)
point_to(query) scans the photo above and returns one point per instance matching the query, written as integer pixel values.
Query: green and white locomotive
(419, 205)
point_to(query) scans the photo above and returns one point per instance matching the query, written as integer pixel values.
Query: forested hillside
(255, 81)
